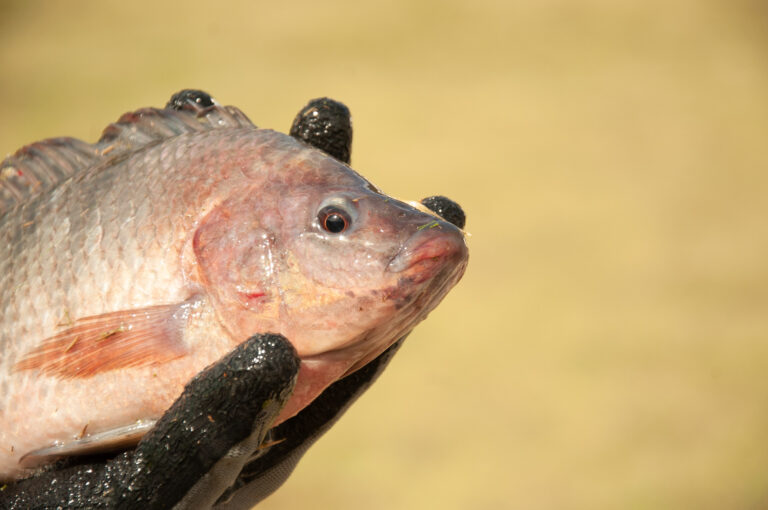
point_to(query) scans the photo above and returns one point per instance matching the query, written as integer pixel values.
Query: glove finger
(327, 125)
(264, 475)
(217, 424)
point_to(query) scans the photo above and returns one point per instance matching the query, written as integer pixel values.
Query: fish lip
(427, 250)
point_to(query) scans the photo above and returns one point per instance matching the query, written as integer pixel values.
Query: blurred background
(608, 345)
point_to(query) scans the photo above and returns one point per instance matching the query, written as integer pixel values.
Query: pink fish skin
(121, 281)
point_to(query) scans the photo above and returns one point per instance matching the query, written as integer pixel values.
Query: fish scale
(148, 264)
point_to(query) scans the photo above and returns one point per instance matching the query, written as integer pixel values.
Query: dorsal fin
(40, 166)
(148, 125)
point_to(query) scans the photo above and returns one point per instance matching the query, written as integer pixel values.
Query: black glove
(209, 450)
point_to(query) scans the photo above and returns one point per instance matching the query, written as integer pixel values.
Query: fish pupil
(334, 219)
(335, 223)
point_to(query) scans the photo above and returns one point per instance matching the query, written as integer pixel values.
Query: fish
(129, 265)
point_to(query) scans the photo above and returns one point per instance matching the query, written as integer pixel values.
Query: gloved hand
(210, 450)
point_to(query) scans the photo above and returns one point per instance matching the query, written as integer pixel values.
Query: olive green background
(608, 345)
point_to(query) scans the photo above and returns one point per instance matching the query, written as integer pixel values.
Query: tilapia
(129, 265)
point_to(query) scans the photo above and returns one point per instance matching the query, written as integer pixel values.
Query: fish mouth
(428, 251)
(425, 266)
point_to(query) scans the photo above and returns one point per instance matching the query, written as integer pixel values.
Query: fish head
(361, 269)
(315, 252)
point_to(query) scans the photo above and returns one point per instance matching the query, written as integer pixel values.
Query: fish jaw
(429, 251)
(427, 266)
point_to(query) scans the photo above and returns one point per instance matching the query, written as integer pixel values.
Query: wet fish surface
(129, 265)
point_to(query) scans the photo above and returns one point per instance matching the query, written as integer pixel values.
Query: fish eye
(333, 219)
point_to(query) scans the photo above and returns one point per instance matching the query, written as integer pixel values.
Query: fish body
(165, 245)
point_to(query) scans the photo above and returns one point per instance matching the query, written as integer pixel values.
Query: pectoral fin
(118, 438)
(110, 341)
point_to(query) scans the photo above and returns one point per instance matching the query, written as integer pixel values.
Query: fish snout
(435, 247)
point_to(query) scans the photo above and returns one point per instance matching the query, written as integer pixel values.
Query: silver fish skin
(129, 265)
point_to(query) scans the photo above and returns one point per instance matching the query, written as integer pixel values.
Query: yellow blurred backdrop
(608, 346)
